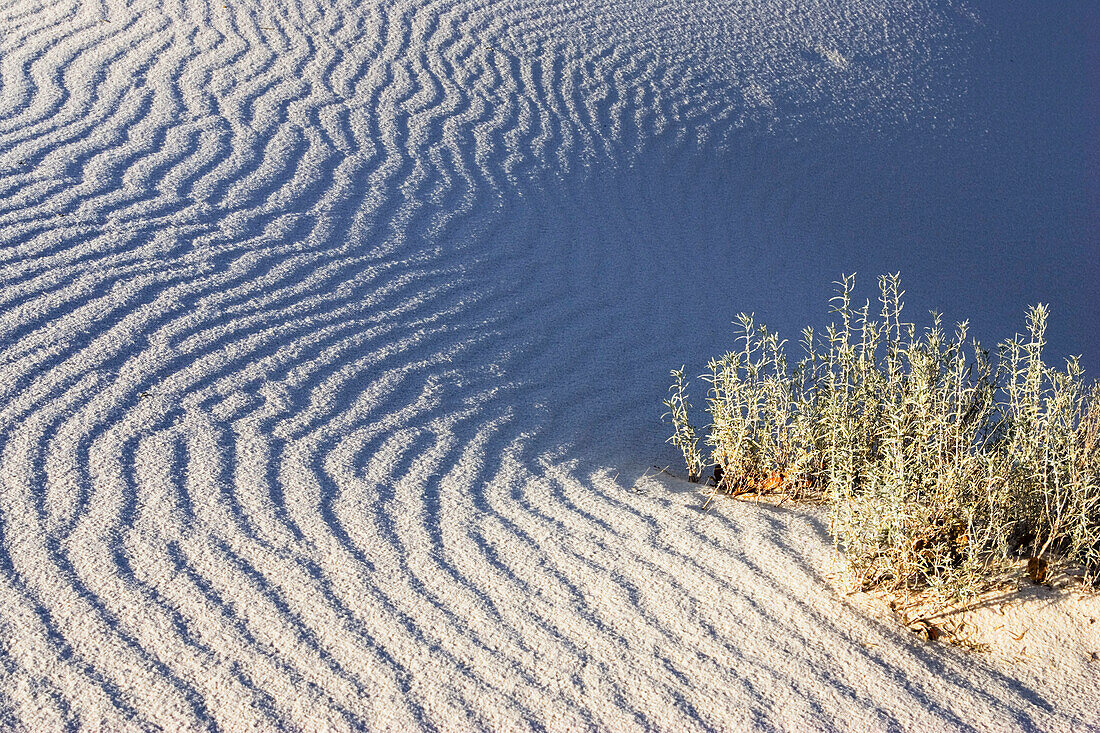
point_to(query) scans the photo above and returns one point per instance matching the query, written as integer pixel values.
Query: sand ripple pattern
(274, 452)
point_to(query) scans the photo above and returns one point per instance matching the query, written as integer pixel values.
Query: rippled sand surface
(332, 340)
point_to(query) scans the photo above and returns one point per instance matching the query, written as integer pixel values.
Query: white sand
(332, 340)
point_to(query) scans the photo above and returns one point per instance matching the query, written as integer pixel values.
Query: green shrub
(940, 464)
(684, 436)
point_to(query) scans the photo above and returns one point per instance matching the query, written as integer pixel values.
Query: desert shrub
(939, 463)
(684, 437)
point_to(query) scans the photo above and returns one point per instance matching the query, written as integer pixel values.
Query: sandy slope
(332, 337)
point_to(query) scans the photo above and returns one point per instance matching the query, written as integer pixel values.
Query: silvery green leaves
(939, 463)
(684, 436)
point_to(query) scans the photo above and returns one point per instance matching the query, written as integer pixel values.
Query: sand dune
(332, 339)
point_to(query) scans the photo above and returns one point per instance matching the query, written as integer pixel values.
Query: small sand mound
(1038, 628)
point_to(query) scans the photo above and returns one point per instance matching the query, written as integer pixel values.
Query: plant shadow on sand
(800, 534)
